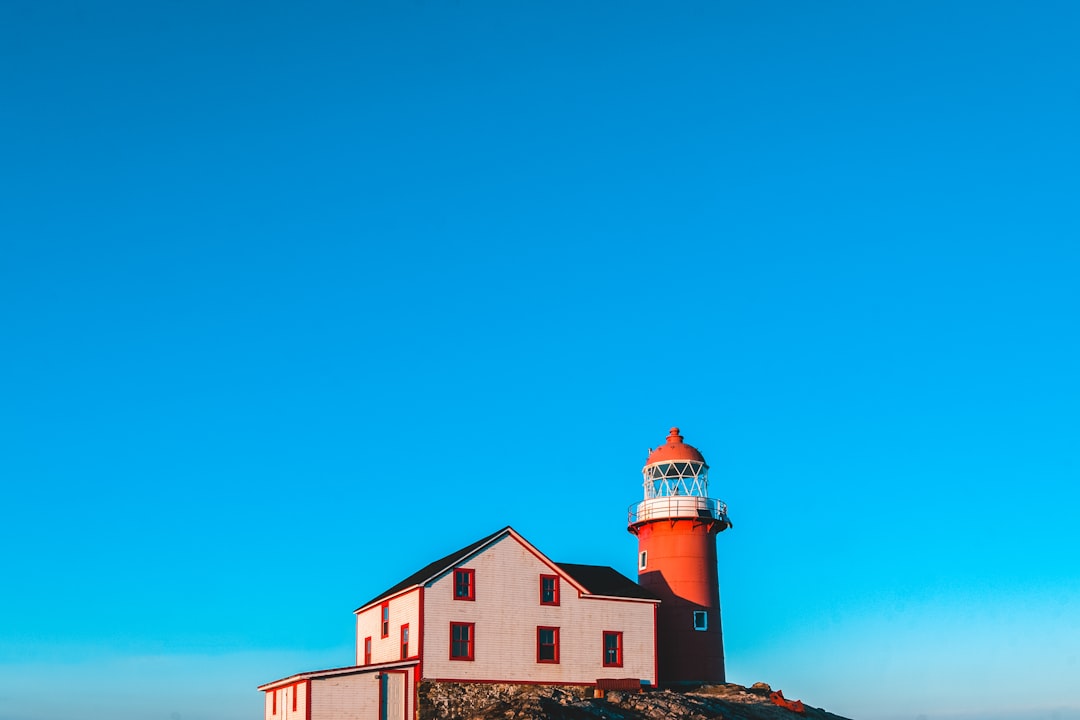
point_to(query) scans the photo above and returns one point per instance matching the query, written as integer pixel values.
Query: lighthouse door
(392, 696)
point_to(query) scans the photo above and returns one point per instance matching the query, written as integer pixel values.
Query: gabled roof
(590, 579)
(434, 569)
(604, 580)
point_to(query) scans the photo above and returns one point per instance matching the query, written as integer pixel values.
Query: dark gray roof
(431, 570)
(596, 579)
(604, 580)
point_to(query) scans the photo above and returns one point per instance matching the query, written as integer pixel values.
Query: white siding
(507, 611)
(345, 697)
(403, 609)
(285, 702)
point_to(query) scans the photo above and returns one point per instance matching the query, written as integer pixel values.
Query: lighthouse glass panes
(676, 478)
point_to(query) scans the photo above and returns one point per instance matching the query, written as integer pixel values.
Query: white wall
(403, 609)
(507, 611)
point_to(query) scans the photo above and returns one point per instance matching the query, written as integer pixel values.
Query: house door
(392, 695)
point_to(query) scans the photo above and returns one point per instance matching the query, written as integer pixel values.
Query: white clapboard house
(496, 611)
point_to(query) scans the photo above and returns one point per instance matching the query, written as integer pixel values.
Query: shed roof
(604, 580)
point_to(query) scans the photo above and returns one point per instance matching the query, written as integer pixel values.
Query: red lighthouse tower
(676, 527)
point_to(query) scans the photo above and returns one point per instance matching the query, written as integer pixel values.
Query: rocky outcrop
(496, 701)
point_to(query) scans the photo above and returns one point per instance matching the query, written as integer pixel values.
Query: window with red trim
(295, 692)
(462, 641)
(384, 628)
(549, 589)
(274, 712)
(464, 584)
(612, 649)
(405, 641)
(547, 644)
(367, 651)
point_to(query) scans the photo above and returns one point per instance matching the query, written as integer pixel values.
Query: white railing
(677, 506)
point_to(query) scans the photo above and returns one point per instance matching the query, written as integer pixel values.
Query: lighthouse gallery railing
(677, 506)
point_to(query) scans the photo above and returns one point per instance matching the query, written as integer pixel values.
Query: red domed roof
(674, 450)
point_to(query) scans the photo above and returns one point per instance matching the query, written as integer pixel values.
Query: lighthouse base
(679, 558)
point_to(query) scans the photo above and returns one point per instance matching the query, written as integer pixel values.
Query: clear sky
(295, 298)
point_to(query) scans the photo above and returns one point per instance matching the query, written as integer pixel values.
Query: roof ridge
(437, 567)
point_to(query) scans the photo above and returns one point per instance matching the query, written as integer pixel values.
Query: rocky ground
(538, 702)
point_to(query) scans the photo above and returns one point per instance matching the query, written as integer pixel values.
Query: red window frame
(469, 640)
(554, 590)
(295, 692)
(367, 650)
(384, 623)
(405, 641)
(541, 645)
(617, 659)
(274, 711)
(464, 579)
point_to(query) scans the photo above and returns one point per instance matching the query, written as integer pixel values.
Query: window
(701, 620)
(405, 641)
(464, 584)
(643, 559)
(295, 692)
(547, 644)
(384, 630)
(367, 651)
(275, 703)
(549, 589)
(461, 641)
(612, 649)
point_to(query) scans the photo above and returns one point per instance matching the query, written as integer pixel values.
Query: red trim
(471, 641)
(513, 682)
(308, 700)
(384, 620)
(470, 576)
(295, 692)
(655, 645)
(367, 650)
(618, 648)
(554, 644)
(275, 702)
(395, 596)
(554, 592)
(419, 644)
(612, 598)
(405, 641)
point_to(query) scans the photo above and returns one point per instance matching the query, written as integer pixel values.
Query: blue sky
(296, 298)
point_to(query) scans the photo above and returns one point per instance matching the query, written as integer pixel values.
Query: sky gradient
(296, 298)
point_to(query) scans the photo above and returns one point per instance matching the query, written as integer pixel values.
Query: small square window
(549, 589)
(701, 620)
(464, 584)
(547, 645)
(643, 559)
(612, 649)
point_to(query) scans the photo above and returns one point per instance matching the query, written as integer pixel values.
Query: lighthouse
(676, 526)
